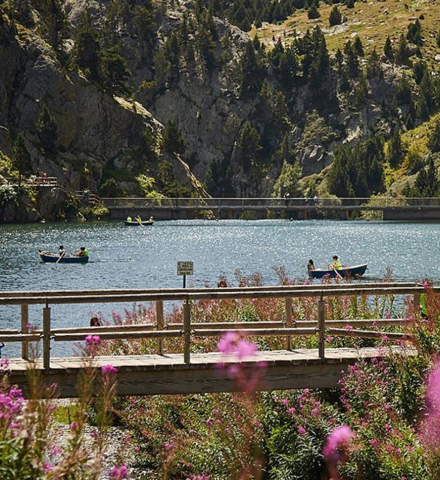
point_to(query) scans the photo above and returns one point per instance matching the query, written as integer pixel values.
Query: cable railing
(376, 203)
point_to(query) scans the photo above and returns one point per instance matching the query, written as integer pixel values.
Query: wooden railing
(186, 329)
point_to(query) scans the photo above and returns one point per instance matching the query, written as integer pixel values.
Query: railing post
(321, 328)
(46, 337)
(289, 322)
(159, 324)
(186, 330)
(24, 329)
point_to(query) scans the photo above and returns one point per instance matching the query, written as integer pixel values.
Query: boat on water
(136, 223)
(49, 257)
(352, 272)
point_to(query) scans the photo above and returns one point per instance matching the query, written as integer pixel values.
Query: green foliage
(86, 51)
(434, 138)
(172, 138)
(20, 10)
(335, 17)
(395, 150)
(248, 146)
(374, 65)
(21, 157)
(53, 25)
(427, 181)
(46, 128)
(251, 71)
(414, 34)
(8, 195)
(402, 51)
(287, 182)
(113, 69)
(357, 171)
(388, 49)
(313, 12)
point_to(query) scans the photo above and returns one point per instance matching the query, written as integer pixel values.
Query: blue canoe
(49, 257)
(352, 272)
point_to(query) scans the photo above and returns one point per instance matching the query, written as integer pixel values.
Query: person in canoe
(336, 264)
(61, 251)
(310, 266)
(82, 252)
(129, 219)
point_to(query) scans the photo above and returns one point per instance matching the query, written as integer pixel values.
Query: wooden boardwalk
(207, 372)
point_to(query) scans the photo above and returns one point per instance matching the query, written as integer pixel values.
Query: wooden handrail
(185, 329)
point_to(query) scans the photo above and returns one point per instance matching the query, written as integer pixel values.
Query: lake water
(147, 256)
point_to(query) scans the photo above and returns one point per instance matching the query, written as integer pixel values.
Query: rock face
(93, 128)
(98, 133)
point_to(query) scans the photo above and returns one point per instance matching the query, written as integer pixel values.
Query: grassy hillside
(371, 21)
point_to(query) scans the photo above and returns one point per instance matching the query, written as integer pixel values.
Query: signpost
(185, 268)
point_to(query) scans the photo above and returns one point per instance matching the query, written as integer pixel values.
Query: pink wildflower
(340, 437)
(118, 473)
(301, 430)
(109, 369)
(93, 340)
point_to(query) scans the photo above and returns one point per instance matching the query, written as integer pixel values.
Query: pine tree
(313, 12)
(335, 17)
(357, 46)
(46, 128)
(172, 138)
(388, 49)
(21, 157)
(53, 26)
(248, 146)
(86, 51)
(402, 52)
(395, 152)
(434, 138)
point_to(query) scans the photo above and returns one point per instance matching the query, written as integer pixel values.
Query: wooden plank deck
(168, 374)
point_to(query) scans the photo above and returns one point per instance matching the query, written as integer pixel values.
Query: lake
(147, 256)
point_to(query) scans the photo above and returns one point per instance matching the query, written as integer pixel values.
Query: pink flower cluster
(109, 369)
(118, 473)
(239, 350)
(93, 340)
(340, 437)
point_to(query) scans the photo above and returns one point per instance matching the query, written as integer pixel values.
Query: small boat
(135, 223)
(355, 271)
(49, 257)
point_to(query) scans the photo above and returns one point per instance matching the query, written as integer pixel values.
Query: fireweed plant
(382, 422)
(33, 444)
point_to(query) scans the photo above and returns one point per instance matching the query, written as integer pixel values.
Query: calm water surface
(146, 257)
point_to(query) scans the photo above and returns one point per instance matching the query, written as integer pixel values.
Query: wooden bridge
(188, 372)
(391, 208)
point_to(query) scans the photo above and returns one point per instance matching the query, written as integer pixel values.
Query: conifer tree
(388, 49)
(248, 146)
(21, 157)
(46, 128)
(395, 152)
(53, 26)
(335, 17)
(86, 52)
(402, 52)
(434, 138)
(172, 138)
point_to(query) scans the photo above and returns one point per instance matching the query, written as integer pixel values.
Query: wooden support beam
(321, 328)
(24, 329)
(46, 337)
(159, 324)
(289, 321)
(187, 331)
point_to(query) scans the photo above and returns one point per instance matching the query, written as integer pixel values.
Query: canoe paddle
(61, 256)
(337, 273)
